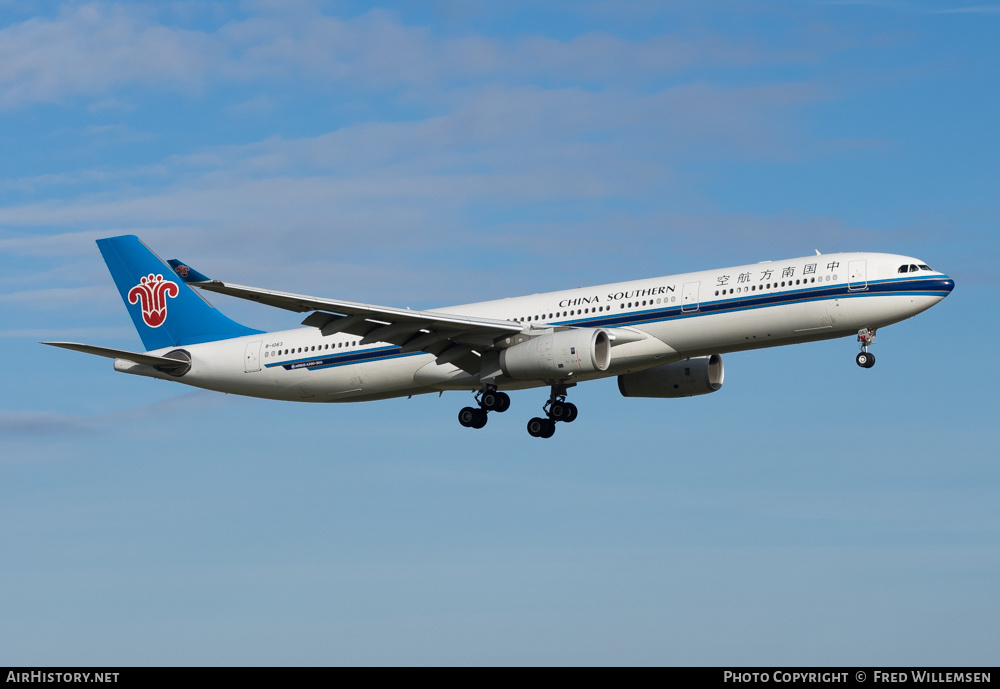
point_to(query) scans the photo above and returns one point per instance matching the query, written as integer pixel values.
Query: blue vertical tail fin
(165, 311)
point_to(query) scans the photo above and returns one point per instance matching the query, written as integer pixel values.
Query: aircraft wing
(452, 338)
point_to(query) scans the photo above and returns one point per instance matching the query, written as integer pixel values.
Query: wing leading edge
(452, 338)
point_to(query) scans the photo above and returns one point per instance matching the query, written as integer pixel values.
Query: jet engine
(698, 376)
(565, 352)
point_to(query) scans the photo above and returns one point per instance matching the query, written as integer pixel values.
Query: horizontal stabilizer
(147, 359)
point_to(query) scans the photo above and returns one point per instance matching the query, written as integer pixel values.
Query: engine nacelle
(583, 350)
(698, 376)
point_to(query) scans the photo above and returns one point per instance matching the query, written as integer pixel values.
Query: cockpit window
(926, 267)
(913, 268)
(903, 269)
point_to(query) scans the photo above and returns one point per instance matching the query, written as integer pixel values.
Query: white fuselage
(665, 319)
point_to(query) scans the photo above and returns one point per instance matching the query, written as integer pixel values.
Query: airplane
(662, 337)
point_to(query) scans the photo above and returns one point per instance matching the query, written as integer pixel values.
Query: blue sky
(421, 154)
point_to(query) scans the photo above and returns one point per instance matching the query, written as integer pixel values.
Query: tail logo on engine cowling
(151, 294)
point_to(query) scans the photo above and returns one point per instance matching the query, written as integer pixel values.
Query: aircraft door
(251, 361)
(689, 302)
(858, 276)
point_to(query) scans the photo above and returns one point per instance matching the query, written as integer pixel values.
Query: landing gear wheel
(563, 411)
(573, 411)
(548, 430)
(503, 402)
(866, 337)
(470, 417)
(490, 400)
(466, 416)
(494, 400)
(541, 428)
(559, 411)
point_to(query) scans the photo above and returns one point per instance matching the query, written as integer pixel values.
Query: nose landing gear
(866, 338)
(489, 399)
(556, 409)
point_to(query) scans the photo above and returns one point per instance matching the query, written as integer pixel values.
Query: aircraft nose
(945, 285)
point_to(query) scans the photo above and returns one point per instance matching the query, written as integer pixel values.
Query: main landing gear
(489, 399)
(866, 338)
(556, 409)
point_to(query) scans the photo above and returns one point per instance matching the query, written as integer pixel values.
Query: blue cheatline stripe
(736, 303)
(313, 363)
(892, 287)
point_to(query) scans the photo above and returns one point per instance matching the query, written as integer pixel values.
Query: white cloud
(69, 334)
(94, 49)
(42, 424)
(54, 297)
(90, 49)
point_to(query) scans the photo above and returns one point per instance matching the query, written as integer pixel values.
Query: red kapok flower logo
(151, 293)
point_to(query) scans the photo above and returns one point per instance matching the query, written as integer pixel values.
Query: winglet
(186, 272)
